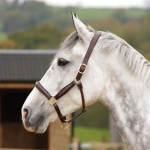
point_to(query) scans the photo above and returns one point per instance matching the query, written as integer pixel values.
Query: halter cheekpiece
(76, 82)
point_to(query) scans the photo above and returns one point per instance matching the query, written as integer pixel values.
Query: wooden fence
(75, 145)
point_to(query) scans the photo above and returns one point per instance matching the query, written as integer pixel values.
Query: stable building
(19, 70)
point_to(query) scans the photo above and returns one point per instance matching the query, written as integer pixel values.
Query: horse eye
(62, 62)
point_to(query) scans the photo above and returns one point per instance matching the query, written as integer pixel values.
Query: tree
(120, 14)
(16, 17)
(99, 115)
(47, 36)
(9, 44)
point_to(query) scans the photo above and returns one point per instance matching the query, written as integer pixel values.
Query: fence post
(75, 143)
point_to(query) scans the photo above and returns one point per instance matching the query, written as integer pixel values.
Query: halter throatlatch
(76, 82)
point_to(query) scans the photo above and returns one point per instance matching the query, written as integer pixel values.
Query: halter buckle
(52, 101)
(80, 68)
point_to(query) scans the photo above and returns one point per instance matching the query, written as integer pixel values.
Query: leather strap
(91, 47)
(76, 82)
(42, 90)
(63, 118)
(64, 90)
(60, 94)
(87, 55)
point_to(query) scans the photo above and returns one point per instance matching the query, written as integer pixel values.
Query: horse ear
(81, 28)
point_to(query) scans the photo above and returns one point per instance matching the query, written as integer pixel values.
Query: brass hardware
(52, 100)
(77, 81)
(80, 67)
(64, 125)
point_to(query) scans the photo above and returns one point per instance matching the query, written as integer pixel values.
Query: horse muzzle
(32, 124)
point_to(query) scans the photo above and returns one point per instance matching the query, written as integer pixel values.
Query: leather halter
(76, 82)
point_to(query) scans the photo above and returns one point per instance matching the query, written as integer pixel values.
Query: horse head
(37, 113)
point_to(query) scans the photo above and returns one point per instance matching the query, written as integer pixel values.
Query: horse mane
(131, 58)
(112, 44)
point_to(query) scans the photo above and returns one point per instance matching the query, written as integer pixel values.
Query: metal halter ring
(52, 100)
(64, 125)
(76, 81)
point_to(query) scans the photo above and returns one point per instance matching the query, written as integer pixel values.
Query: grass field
(93, 14)
(101, 13)
(3, 36)
(85, 134)
(86, 15)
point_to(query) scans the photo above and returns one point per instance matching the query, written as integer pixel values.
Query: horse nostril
(25, 110)
(25, 113)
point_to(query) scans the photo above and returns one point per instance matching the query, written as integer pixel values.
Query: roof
(24, 65)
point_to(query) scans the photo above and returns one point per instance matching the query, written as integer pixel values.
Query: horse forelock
(72, 39)
(135, 62)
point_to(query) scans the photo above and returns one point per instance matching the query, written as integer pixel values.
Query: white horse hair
(117, 76)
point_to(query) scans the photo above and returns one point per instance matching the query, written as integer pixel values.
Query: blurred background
(30, 33)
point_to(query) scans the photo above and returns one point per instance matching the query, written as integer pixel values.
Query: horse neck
(127, 99)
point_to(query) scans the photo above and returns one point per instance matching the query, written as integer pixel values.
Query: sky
(98, 3)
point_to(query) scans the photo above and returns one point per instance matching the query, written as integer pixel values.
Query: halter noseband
(77, 81)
